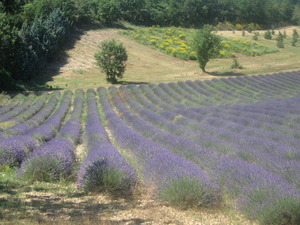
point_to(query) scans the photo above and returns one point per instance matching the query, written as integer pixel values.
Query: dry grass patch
(62, 203)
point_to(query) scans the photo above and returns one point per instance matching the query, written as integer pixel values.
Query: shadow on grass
(22, 203)
(130, 83)
(225, 74)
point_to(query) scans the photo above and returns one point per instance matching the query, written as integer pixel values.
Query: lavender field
(222, 142)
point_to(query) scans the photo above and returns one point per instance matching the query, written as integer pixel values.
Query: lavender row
(172, 177)
(72, 129)
(104, 168)
(221, 113)
(36, 106)
(13, 155)
(216, 130)
(48, 129)
(55, 160)
(37, 118)
(18, 109)
(261, 145)
(11, 104)
(50, 162)
(244, 180)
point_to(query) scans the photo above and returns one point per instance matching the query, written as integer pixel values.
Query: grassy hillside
(74, 67)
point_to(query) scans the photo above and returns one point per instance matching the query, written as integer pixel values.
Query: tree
(206, 45)
(279, 40)
(295, 37)
(111, 59)
(268, 35)
(108, 12)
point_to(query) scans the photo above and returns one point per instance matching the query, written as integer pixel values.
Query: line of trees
(32, 30)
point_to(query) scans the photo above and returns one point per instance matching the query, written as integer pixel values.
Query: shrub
(279, 40)
(295, 37)
(268, 35)
(236, 65)
(284, 34)
(111, 59)
(255, 37)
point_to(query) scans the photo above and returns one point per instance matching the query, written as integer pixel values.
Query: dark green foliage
(206, 45)
(187, 193)
(6, 81)
(281, 211)
(296, 14)
(11, 6)
(111, 59)
(135, 11)
(41, 40)
(10, 44)
(295, 37)
(279, 40)
(108, 12)
(43, 168)
(108, 180)
(43, 8)
(268, 35)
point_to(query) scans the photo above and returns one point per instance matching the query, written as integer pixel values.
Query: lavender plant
(104, 169)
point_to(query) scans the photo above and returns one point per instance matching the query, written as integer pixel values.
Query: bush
(236, 65)
(295, 37)
(268, 35)
(111, 59)
(255, 37)
(279, 40)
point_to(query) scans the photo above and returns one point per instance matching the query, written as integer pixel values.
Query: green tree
(111, 59)
(41, 40)
(43, 8)
(279, 40)
(295, 37)
(206, 45)
(108, 12)
(268, 35)
(10, 45)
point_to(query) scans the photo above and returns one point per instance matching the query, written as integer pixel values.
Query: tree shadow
(225, 74)
(20, 203)
(130, 83)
